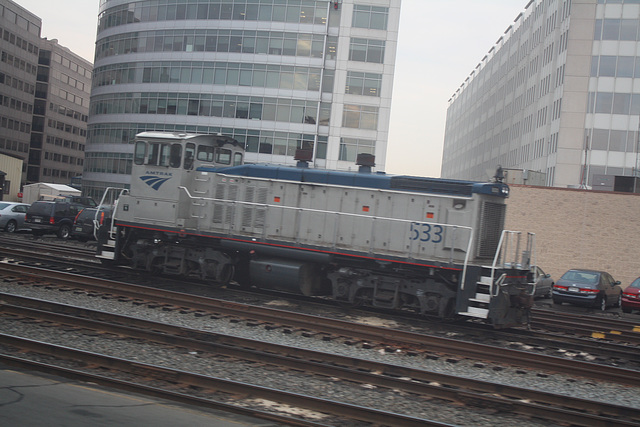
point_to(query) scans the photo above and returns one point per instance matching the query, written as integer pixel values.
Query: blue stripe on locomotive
(366, 180)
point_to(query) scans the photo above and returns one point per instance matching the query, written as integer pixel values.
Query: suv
(52, 217)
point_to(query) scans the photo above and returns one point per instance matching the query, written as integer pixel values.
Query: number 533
(426, 232)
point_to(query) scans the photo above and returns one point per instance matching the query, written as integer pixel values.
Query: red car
(631, 297)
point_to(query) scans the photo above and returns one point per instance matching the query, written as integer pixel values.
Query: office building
(44, 101)
(558, 93)
(19, 49)
(60, 114)
(277, 75)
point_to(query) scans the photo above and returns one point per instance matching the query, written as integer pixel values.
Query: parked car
(88, 221)
(544, 283)
(631, 297)
(589, 288)
(12, 216)
(52, 217)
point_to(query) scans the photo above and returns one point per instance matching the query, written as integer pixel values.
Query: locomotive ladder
(508, 255)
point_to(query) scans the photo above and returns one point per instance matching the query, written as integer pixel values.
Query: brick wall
(579, 229)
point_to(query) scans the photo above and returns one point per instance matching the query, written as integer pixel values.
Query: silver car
(544, 283)
(12, 216)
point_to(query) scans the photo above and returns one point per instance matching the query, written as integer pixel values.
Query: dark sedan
(631, 297)
(587, 288)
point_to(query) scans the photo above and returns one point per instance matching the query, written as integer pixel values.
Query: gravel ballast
(299, 382)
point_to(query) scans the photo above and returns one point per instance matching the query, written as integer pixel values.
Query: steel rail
(213, 384)
(387, 336)
(592, 327)
(455, 389)
(589, 326)
(127, 386)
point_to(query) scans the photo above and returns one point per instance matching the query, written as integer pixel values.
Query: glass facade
(222, 41)
(277, 75)
(297, 12)
(515, 111)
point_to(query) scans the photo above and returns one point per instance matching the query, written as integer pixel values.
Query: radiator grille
(230, 208)
(224, 210)
(247, 211)
(490, 228)
(261, 198)
(218, 208)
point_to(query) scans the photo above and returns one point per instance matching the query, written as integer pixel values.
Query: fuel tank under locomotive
(289, 276)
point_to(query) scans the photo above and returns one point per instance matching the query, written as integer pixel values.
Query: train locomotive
(433, 246)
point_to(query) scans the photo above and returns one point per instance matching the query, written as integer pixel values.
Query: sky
(439, 43)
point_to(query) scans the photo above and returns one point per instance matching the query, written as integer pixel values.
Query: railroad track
(25, 245)
(159, 381)
(607, 340)
(610, 328)
(453, 389)
(330, 329)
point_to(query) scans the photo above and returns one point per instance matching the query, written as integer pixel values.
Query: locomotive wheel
(241, 274)
(228, 271)
(155, 266)
(363, 298)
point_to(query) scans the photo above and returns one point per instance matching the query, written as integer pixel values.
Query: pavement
(30, 399)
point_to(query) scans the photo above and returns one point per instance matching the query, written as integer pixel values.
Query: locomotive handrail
(466, 262)
(354, 215)
(502, 252)
(112, 220)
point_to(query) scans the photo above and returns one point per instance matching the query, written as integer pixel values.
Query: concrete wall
(579, 229)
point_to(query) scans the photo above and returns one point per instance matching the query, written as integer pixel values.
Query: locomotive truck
(433, 246)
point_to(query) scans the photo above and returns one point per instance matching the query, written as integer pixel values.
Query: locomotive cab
(164, 162)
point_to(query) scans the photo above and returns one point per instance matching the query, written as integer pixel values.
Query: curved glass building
(277, 75)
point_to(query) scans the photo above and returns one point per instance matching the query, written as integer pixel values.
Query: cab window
(140, 152)
(175, 157)
(189, 155)
(159, 154)
(223, 156)
(237, 159)
(205, 153)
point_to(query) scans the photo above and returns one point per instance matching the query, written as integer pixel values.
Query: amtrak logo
(154, 182)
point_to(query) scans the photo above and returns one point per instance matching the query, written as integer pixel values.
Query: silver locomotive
(437, 247)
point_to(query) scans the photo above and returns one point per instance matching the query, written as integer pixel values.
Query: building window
(367, 84)
(150, 11)
(222, 41)
(371, 17)
(210, 73)
(616, 29)
(366, 50)
(351, 147)
(239, 107)
(321, 147)
(360, 117)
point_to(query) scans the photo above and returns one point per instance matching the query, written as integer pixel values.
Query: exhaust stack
(303, 156)
(366, 162)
